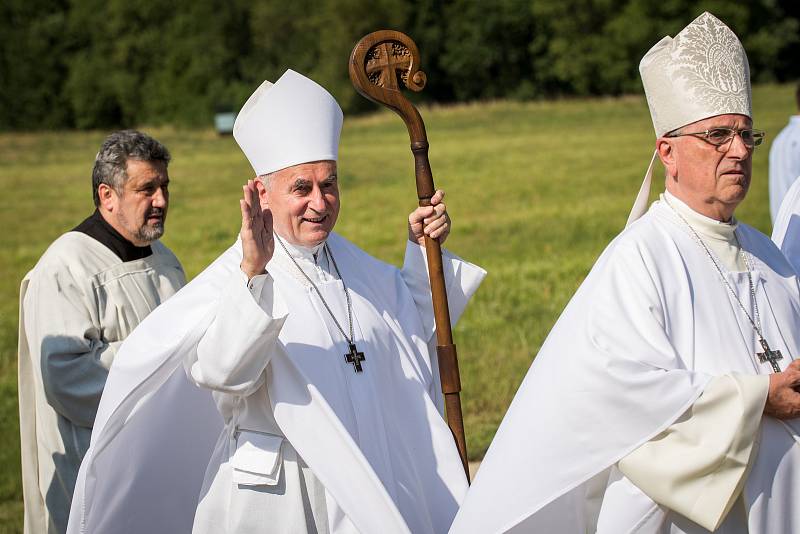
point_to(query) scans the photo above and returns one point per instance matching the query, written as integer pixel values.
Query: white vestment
(786, 230)
(651, 329)
(76, 306)
(784, 164)
(301, 432)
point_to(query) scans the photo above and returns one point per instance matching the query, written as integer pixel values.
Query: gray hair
(111, 161)
(265, 178)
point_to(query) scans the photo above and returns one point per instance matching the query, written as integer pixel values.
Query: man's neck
(713, 210)
(718, 236)
(301, 251)
(98, 228)
(113, 223)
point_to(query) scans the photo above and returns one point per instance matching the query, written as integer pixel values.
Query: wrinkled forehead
(141, 170)
(730, 120)
(314, 171)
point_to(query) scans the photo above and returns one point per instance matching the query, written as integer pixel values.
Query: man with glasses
(663, 400)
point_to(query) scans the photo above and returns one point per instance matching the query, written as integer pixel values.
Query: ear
(263, 193)
(107, 197)
(666, 153)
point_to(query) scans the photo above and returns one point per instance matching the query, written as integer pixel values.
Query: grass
(535, 190)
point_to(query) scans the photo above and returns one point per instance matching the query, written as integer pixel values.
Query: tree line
(114, 63)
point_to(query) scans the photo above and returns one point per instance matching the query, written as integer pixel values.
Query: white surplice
(370, 449)
(786, 230)
(784, 164)
(651, 329)
(76, 306)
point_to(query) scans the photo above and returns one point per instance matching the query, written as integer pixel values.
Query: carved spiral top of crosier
(389, 62)
(381, 65)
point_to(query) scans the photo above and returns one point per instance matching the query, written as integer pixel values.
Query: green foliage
(536, 190)
(32, 64)
(485, 53)
(594, 46)
(111, 63)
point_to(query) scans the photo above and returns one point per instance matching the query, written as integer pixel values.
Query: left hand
(430, 220)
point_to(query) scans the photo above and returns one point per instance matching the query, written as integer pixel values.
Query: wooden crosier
(381, 63)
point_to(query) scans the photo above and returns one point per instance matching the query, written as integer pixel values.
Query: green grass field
(535, 191)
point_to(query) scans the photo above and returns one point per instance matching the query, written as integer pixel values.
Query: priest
(88, 291)
(784, 161)
(663, 399)
(786, 231)
(290, 387)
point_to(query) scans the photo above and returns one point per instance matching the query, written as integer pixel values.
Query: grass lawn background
(535, 190)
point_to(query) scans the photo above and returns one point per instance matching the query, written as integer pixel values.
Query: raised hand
(783, 400)
(258, 243)
(430, 220)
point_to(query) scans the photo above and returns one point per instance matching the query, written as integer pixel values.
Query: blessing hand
(430, 220)
(783, 400)
(258, 243)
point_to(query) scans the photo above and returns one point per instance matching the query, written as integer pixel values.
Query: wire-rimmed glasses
(720, 136)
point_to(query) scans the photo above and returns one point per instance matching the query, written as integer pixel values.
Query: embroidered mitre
(701, 73)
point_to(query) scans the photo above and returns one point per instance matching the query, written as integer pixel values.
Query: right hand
(258, 243)
(783, 400)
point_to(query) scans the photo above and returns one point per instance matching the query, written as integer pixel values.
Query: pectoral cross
(771, 356)
(355, 358)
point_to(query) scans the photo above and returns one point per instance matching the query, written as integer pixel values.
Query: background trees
(112, 63)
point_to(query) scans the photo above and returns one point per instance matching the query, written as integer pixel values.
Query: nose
(160, 198)
(316, 200)
(737, 148)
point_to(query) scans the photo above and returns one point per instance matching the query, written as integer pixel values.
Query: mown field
(535, 190)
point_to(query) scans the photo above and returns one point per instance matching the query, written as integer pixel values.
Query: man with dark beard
(88, 291)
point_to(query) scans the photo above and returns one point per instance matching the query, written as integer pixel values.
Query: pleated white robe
(375, 441)
(649, 330)
(77, 305)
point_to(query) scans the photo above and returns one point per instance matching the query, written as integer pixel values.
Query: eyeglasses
(719, 136)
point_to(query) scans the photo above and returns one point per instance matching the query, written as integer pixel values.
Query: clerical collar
(311, 254)
(95, 226)
(708, 227)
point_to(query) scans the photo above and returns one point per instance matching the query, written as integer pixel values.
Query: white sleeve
(237, 346)
(698, 466)
(73, 356)
(461, 281)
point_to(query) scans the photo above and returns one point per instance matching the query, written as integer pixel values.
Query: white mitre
(294, 120)
(702, 72)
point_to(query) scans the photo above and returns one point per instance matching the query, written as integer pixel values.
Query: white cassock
(304, 443)
(786, 230)
(784, 164)
(642, 411)
(76, 306)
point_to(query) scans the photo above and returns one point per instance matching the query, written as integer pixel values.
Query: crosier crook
(381, 63)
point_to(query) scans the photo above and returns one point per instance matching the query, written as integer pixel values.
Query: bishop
(246, 400)
(665, 421)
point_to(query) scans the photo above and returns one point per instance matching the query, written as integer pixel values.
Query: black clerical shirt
(96, 226)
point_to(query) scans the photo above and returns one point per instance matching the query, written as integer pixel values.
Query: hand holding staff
(380, 63)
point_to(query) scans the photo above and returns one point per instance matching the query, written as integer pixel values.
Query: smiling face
(304, 200)
(139, 211)
(712, 180)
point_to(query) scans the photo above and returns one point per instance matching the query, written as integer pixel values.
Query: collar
(706, 226)
(95, 226)
(299, 252)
